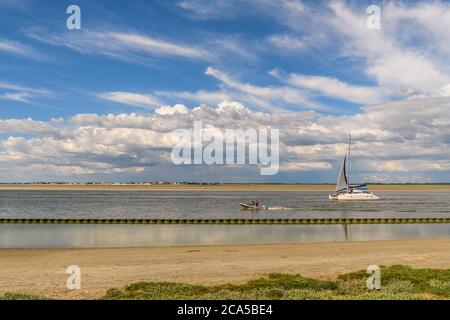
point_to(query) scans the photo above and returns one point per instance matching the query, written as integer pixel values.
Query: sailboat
(346, 191)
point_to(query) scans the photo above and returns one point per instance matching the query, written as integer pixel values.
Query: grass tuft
(21, 296)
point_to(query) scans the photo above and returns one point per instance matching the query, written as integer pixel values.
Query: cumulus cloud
(392, 142)
(168, 110)
(28, 125)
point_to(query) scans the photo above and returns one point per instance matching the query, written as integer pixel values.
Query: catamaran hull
(367, 196)
(347, 192)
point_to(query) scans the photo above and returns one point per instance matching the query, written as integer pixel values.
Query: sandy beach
(248, 187)
(42, 271)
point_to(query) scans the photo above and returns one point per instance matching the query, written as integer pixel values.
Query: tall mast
(348, 162)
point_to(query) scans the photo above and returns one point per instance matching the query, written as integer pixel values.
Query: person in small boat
(254, 203)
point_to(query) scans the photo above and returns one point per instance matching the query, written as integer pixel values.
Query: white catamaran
(346, 191)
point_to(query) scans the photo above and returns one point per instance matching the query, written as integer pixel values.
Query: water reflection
(83, 236)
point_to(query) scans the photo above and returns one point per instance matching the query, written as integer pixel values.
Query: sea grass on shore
(397, 283)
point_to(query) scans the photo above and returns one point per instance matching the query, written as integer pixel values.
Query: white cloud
(155, 46)
(52, 127)
(18, 93)
(408, 57)
(127, 46)
(16, 87)
(13, 47)
(235, 45)
(16, 96)
(305, 166)
(19, 49)
(393, 64)
(288, 42)
(269, 98)
(131, 99)
(217, 9)
(207, 9)
(336, 89)
(168, 110)
(201, 96)
(391, 141)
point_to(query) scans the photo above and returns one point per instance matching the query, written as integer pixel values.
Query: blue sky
(236, 45)
(315, 62)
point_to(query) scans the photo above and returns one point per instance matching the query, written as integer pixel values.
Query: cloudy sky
(100, 103)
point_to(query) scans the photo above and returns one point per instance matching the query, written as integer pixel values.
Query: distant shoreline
(247, 187)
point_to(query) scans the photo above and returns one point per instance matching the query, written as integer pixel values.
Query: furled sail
(342, 180)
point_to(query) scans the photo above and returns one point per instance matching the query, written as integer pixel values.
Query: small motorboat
(254, 205)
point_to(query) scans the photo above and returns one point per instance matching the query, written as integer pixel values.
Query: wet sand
(42, 271)
(223, 187)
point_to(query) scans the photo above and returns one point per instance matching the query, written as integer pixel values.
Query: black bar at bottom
(192, 309)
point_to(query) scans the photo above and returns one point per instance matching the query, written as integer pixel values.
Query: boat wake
(279, 208)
